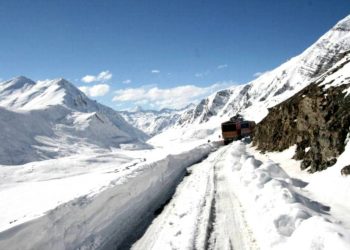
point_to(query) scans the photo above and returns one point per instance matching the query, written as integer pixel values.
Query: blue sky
(169, 52)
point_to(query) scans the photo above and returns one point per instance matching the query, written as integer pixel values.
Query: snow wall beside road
(110, 218)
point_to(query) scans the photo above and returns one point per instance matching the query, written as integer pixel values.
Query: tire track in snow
(207, 213)
(183, 224)
(204, 213)
(230, 230)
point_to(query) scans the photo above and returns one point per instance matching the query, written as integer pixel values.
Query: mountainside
(275, 86)
(317, 120)
(53, 118)
(153, 122)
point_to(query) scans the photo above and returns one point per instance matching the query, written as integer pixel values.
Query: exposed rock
(345, 170)
(317, 120)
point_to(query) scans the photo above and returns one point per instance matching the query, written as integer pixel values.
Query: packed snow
(232, 200)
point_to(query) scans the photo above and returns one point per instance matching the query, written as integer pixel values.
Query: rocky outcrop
(317, 120)
(345, 170)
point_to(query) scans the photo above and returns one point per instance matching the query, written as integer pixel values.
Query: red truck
(236, 128)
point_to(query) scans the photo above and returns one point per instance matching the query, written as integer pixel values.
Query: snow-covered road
(234, 201)
(231, 200)
(204, 213)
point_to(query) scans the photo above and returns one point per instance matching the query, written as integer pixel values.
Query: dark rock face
(345, 170)
(316, 119)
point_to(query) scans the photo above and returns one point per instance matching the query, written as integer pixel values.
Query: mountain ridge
(53, 118)
(153, 122)
(253, 98)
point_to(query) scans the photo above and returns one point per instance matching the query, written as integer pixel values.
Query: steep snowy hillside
(53, 118)
(275, 86)
(153, 122)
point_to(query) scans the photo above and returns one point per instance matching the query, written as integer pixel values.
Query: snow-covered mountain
(253, 99)
(153, 122)
(52, 118)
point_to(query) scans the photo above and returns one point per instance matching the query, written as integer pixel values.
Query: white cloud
(96, 90)
(176, 97)
(102, 77)
(88, 78)
(155, 71)
(222, 66)
(127, 81)
(84, 89)
(202, 74)
(257, 74)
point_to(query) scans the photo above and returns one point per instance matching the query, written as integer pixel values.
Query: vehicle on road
(236, 128)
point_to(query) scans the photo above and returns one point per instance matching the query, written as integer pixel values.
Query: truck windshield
(228, 127)
(244, 125)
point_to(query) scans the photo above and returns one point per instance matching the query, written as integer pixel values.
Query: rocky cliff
(316, 120)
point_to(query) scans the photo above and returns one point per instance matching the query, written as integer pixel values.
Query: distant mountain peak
(137, 109)
(22, 78)
(16, 83)
(56, 109)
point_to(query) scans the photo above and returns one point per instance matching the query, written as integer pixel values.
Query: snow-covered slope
(53, 118)
(153, 122)
(275, 86)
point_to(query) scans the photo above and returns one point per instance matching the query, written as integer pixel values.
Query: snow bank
(109, 216)
(332, 188)
(280, 215)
